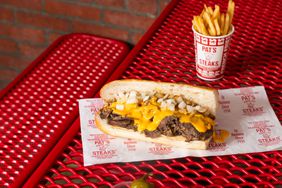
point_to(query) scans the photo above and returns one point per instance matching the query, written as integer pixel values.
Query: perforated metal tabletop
(41, 104)
(166, 53)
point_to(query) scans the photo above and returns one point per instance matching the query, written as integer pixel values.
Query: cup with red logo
(211, 54)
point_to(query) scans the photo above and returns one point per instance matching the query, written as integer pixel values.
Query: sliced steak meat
(171, 126)
(188, 131)
(207, 134)
(168, 125)
(211, 116)
(104, 113)
(117, 120)
(125, 123)
(153, 134)
(116, 117)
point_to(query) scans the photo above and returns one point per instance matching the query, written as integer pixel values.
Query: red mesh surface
(168, 55)
(41, 104)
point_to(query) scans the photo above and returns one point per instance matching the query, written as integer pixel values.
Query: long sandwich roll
(178, 115)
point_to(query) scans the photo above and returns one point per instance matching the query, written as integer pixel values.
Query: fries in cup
(212, 22)
(213, 31)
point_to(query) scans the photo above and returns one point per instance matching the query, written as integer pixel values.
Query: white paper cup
(211, 54)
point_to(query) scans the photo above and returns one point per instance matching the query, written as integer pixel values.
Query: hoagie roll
(178, 115)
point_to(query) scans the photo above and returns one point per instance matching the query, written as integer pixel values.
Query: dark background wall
(27, 27)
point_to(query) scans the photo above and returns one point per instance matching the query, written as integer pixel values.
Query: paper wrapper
(244, 112)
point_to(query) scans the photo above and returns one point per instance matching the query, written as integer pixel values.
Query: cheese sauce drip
(220, 136)
(147, 116)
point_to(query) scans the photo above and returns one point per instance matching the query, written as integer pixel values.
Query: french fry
(217, 28)
(201, 24)
(195, 25)
(211, 26)
(216, 12)
(219, 22)
(226, 24)
(231, 8)
(202, 12)
(209, 30)
(208, 9)
(222, 18)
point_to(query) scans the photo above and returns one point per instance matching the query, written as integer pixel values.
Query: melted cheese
(149, 116)
(219, 136)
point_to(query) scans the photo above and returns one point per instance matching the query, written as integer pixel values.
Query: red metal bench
(41, 103)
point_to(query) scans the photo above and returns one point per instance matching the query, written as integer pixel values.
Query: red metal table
(166, 53)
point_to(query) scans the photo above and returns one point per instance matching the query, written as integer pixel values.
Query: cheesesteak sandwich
(168, 113)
